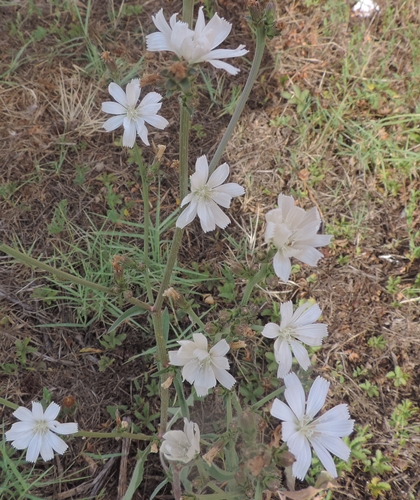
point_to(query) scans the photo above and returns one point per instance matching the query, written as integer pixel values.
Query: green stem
(57, 272)
(192, 314)
(146, 223)
(4, 402)
(259, 52)
(163, 360)
(188, 11)
(139, 437)
(30, 261)
(268, 398)
(252, 282)
(185, 122)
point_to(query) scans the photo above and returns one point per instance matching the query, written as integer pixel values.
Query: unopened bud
(178, 71)
(109, 61)
(210, 328)
(224, 316)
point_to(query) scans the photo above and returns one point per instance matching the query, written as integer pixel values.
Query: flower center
(132, 113)
(288, 332)
(305, 426)
(203, 194)
(41, 427)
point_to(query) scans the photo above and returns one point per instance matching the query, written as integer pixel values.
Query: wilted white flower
(201, 366)
(131, 117)
(294, 329)
(300, 430)
(365, 8)
(182, 446)
(206, 194)
(294, 232)
(36, 432)
(194, 46)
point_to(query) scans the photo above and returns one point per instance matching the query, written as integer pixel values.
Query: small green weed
(398, 376)
(23, 349)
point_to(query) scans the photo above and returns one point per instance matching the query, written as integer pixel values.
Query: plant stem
(163, 361)
(139, 437)
(185, 122)
(146, 223)
(188, 11)
(183, 149)
(4, 402)
(30, 261)
(252, 282)
(259, 52)
(176, 481)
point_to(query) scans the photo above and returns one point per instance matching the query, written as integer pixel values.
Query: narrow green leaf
(133, 311)
(137, 476)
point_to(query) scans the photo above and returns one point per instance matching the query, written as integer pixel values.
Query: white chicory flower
(206, 194)
(36, 432)
(194, 46)
(293, 231)
(365, 8)
(131, 116)
(300, 431)
(182, 446)
(294, 329)
(202, 367)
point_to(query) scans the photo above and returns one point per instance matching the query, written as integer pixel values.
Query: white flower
(365, 8)
(206, 193)
(182, 446)
(36, 432)
(201, 367)
(131, 117)
(295, 328)
(194, 46)
(300, 430)
(294, 232)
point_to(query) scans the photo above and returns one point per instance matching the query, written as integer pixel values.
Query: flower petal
(113, 123)
(69, 428)
(282, 266)
(224, 378)
(324, 456)
(118, 93)
(283, 357)
(129, 136)
(311, 334)
(113, 108)
(294, 394)
(271, 331)
(218, 176)
(281, 411)
(227, 67)
(220, 349)
(301, 354)
(56, 443)
(188, 215)
(24, 414)
(52, 411)
(317, 396)
(34, 448)
(133, 92)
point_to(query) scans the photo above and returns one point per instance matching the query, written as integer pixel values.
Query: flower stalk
(256, 63)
